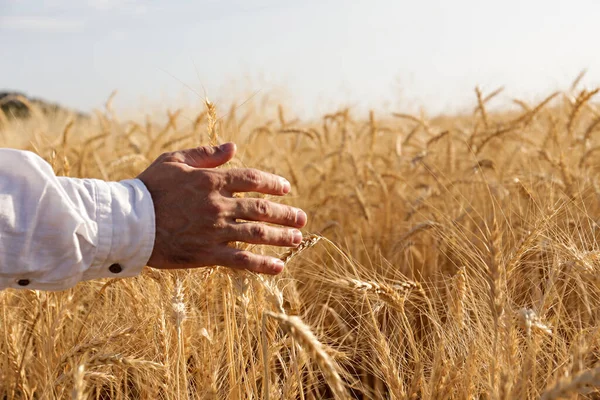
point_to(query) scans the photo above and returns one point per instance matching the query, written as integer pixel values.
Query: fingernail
(301, 218)
(297, 237)
(286, 186)
(227, 147)
(278, 265)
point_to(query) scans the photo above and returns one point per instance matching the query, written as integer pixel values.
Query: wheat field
(453, 257)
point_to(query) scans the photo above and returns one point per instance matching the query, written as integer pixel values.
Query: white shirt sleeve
(57, 231)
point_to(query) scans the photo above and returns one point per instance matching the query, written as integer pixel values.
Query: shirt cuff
(126, 230)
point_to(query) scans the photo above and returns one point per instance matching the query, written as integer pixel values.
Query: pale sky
(379, 53)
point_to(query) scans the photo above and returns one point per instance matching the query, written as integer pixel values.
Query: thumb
(207, 156)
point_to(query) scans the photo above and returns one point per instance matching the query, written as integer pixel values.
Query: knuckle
(263, 264)
(259, 232)
(242, 258)
(290, 214)
(204, 151)
(211, 179)
(284, 237)
(253, 176)
(263, 207)
(220, 224)
(231, 177)
(215, 205)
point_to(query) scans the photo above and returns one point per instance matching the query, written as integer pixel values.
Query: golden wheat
(457, 257)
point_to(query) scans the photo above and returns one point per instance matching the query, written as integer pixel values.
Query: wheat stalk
(79, 383)
(308, 341)
(307, 242)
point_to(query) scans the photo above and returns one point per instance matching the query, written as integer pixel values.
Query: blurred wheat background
(451, 257)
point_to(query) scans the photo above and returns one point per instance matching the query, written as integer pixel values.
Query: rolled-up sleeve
(58, 231)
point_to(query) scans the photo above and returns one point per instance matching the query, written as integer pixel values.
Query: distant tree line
(16, 105)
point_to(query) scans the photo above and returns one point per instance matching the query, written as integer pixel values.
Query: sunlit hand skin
(197, 214)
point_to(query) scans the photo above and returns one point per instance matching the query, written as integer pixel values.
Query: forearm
(56, 231)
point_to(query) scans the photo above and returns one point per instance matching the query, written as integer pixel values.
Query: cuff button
(115, 268)
(23, 282)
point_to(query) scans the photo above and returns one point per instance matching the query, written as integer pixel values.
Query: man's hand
(197, 215)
